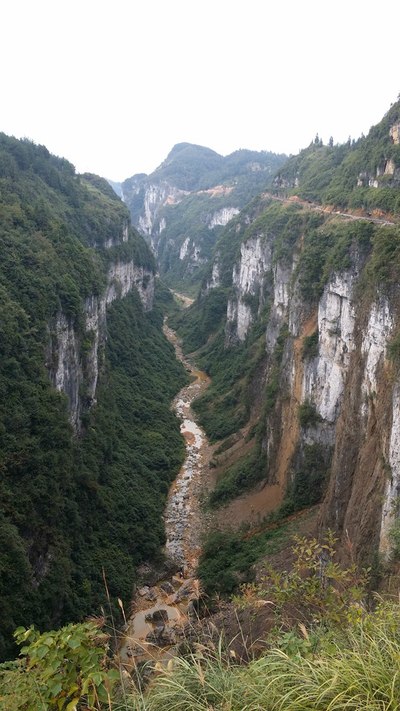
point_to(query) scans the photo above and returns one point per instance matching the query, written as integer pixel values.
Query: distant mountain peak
(191, 149)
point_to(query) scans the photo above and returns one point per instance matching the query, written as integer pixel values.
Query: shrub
(60, 669)
(308, 415)
(310, 346)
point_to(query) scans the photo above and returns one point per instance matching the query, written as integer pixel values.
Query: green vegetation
(394, 537)
(227, 558)
(308, 415)
(284, 224)
(327, 246)
(222, 409)
(203, 318)
(198, 170)
(358, 174)
(71, 505)
(308, 483)
(130, 454)
(59, 670)
(355, 671)
(225, 406)
(329, 249)
(191, 167)
(324, 650)
(310, 346)
(383, 268)
(252, 468)
(240, 477)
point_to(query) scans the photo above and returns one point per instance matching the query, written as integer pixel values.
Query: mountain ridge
(181, 207)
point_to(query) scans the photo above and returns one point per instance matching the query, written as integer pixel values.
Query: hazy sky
(112, 86)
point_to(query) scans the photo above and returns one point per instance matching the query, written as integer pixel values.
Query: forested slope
(87, 442)
(360, 174)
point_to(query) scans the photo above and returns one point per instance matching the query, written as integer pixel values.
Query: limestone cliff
(183, 205)
(248, 280)
(77, 359)
(336, 391)
(74, 356)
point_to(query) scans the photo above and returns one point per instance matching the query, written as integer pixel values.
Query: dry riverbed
(163, 612)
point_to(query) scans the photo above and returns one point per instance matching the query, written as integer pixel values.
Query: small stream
(162, 612)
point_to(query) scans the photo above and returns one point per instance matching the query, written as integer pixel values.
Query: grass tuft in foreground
(358, 671)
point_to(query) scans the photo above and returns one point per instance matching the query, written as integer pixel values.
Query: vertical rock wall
(74, 373)
(348, 380)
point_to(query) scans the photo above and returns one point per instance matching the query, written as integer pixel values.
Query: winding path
(330, 210)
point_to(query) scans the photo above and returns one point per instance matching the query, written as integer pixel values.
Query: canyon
(293, 272)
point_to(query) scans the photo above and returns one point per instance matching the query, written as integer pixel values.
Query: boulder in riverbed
(167, 587)
(157, 616)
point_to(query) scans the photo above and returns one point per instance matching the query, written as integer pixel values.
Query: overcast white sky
(112, 86)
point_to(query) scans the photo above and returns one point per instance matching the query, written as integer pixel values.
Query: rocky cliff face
(74, 356)
(183, 205)
(361, 499)
(325, 375)
(249, 278)
(154, 199)
(339, 390)
(222, 217)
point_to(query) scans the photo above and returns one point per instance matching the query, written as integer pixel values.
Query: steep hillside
(298, 324)
(182, 207)
(88, 445)
(362, 174)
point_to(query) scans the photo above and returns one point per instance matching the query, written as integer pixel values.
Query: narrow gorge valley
(200, 429)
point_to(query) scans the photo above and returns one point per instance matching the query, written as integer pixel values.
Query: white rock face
(239, 312)
(248, 280)
(282, 276)
(67, 373)
(324, 378)
(374, 343)
(156, 196)
(215, 280)
(392, 489)
(151, 200)
(390, 167)
(196, 255)
(191, 250)
(95, 323)
(222, 216)
(124, 276)
(255, 258)
(184, 248)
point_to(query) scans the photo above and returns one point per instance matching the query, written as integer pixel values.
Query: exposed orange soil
(217, 190)
(252, 507)
(290, 415)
